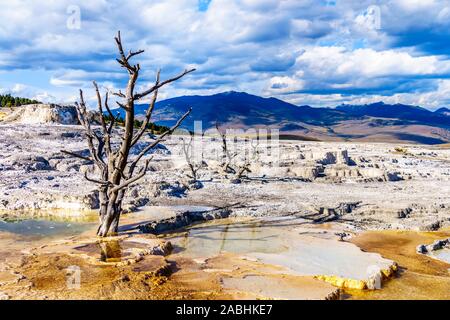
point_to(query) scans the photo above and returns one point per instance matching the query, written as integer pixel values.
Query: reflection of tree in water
(224, 238)
(110, 251)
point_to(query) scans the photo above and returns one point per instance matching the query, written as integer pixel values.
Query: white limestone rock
(43, 114)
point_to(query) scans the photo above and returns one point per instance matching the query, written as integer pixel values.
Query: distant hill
(375, 122)
(239, 109)
(444, 111)
(406, 113)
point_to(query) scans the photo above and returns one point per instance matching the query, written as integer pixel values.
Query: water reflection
(442, 254)
(43, 226)
(110, 251)
(213, 238)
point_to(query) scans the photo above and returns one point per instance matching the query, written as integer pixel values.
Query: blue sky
(317, 52)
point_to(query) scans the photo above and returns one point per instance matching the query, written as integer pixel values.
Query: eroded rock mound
(329, 157)
(43, 114)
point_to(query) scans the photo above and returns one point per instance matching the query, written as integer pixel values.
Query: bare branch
(132, 54)
(126, 183)
(243, 169)
(105, 141)
(124, 61)
(104, 183)
(122, 105)
(83, 118)
(228, 157)
(187, 147)
(119, 46)
(119, 94)
(77, 155)
(111, 116)
(107, 105)
(148, 113)
(100, 108)
(159, 85)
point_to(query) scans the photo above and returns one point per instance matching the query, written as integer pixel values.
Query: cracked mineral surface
(369, 185)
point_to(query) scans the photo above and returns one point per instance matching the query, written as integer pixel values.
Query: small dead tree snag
(245, 168)
(228, 157)
(117, 169)
(188, 154)
(253, 157)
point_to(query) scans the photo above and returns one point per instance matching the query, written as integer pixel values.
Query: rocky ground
(366, 185)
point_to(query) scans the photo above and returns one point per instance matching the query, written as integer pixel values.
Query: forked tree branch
(118, 94)
(124, 60)
(126, 183)
(104, 183)
(131, 54)
(159, 85)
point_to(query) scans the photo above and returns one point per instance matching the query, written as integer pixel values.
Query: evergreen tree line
(152, 127)
(10, 101)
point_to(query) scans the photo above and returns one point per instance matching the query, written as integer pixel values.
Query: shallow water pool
(443, 254)
(284, 242)
(43, 227)
(228, 235)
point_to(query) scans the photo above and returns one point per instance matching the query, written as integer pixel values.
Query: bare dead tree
(188, 154)
(244, 168)
(254, 157)
(117, 169)
(228, 158)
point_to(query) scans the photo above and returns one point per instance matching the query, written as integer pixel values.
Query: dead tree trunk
(117, 168)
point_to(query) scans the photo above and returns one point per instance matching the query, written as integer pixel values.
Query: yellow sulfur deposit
(354, 284)
(387, 273)
(342, 282)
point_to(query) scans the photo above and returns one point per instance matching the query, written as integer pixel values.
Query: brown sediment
(44, 276)
(125, 267)
(132, 272)
(228, 276)
(419, 276)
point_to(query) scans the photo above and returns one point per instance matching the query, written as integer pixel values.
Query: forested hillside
(10, 101)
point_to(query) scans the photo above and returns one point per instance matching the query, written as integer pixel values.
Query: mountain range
(370, 122)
